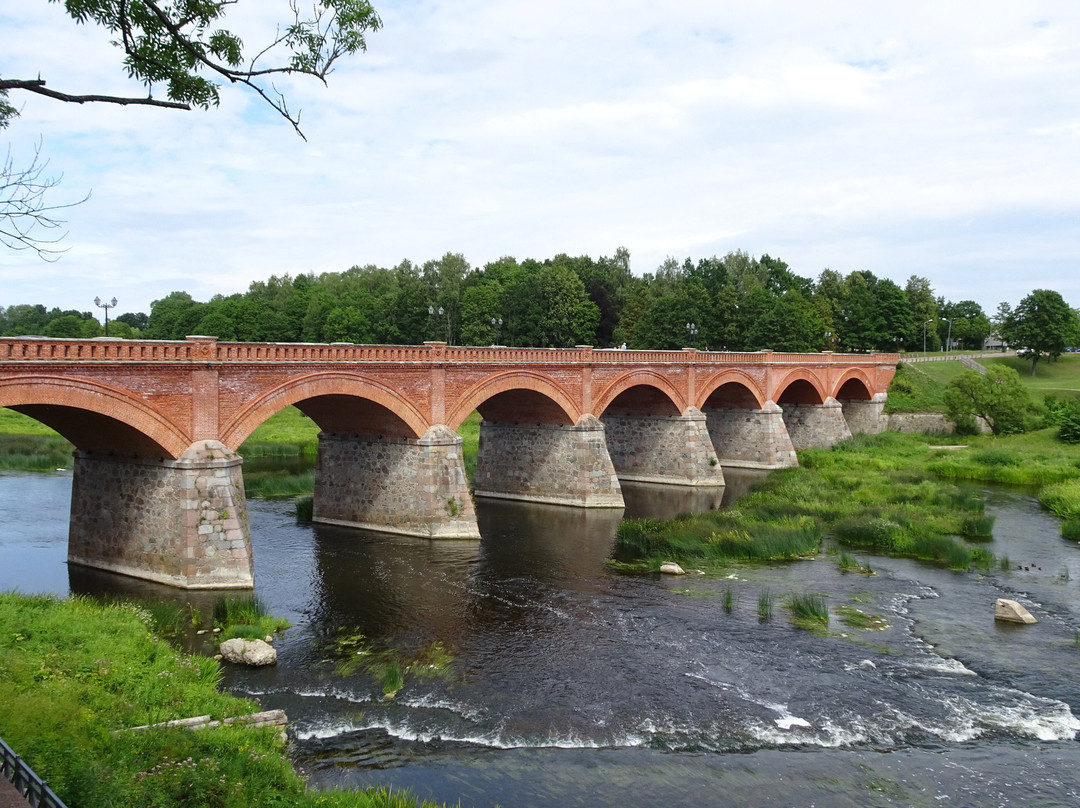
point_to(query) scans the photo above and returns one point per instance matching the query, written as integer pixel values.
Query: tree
(547, 306)
(998, 397)
(924, 308)
(1042, 324)
(176, 43)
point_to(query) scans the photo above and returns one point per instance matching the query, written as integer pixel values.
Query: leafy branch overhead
(178, 45)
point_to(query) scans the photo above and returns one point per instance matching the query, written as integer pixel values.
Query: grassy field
(920, 386)
(77, 676)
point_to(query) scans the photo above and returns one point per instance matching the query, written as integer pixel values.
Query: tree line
(736, 302)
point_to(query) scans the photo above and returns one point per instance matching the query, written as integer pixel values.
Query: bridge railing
(209, 349)
(26, 782)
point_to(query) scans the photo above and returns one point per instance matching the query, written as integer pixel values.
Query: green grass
(872, 493)
(288, 432)
(1063, 499)
(470, 445)
(853, 617)
(77, 675)
(245, 616)
(15, 423)
(1061, 375)
(917, 388)
(765, 604)
(920, 386)
(1032, 459)
(808, 611)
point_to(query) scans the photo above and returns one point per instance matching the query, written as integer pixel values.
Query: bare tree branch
(23, 208)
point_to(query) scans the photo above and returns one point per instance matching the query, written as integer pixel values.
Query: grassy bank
(920, 386)
(76, 676)
(888, 494)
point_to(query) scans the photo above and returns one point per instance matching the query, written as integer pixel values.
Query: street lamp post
(496, 324)
(828, 340)
(110, 305)
(432, 311)
(948, 337)
(691, 329)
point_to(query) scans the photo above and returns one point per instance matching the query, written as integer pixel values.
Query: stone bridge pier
(179, 522)
(395, 485)
(663, 449)
(551, 463)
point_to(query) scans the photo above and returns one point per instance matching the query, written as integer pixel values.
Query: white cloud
(937, 139)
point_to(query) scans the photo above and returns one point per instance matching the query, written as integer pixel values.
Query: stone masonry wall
(866, 417)
(671, 450)
(178, 522)
(562, 465)
(816, 425)
(755, 439)
(414, 487)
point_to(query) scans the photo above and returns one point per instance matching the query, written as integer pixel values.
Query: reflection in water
(669, 501)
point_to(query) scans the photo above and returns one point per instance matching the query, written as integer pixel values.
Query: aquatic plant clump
(808, 610)
(718, 537)
(871, 493)
(1062, 499)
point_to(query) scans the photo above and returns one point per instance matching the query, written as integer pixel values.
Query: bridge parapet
(210, 349)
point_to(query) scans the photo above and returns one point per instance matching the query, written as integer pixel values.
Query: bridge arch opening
(854, 389)
(95, 433)
(641, 400)
(535, 446)
(651, 440)
(731, 396)
(746, 432)
(800, 391)
(864, 412)
(523, 406)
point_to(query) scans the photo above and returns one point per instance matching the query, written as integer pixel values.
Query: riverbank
(874, 494)
(77, 676)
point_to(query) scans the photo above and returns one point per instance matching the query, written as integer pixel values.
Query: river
(537, 676)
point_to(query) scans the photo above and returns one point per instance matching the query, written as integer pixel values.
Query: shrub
(1069, 423)
(1070, 529)
(998, 397)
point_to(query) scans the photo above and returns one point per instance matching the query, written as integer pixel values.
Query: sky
(938, 139)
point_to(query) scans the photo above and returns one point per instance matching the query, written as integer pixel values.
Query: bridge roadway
(158, 493)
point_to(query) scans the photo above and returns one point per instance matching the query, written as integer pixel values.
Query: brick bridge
(157, 490)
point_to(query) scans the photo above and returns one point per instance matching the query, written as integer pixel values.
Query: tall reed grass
(35, 452)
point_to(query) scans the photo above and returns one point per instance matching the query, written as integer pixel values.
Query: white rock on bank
(1012, 611)
(671, 568)
(248, 652)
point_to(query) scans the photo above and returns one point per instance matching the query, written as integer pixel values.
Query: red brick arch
(111, 402)
(854, 374)
(800, 374)
(355, 385)
(730, 376)
(507, 382)
(636, 378)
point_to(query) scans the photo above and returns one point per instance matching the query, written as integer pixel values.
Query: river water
(536, 676)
